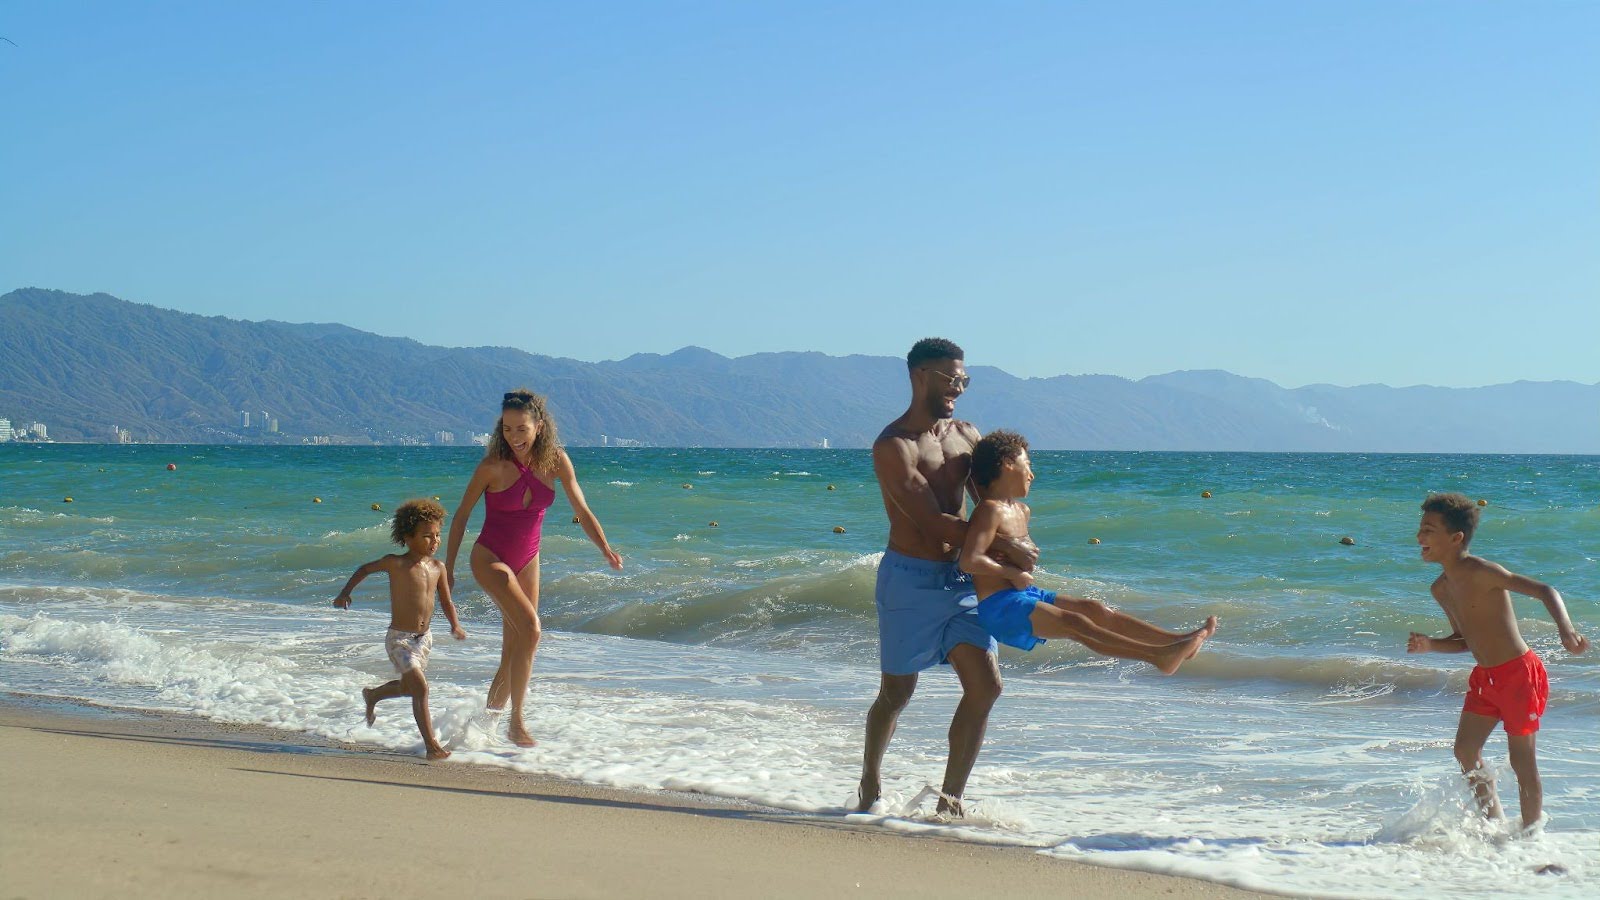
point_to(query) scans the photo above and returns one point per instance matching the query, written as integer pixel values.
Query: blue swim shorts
(925, 608)
(1008, 615)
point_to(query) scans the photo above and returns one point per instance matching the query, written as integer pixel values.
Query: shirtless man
(1508, 684)
(922, 461)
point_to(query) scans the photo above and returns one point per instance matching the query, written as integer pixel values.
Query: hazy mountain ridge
(82, 364)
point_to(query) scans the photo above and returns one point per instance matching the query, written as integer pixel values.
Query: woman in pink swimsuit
(517, 480)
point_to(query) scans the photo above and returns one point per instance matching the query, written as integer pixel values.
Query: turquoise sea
(1303, 752)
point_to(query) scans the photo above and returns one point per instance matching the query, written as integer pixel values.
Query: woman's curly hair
(546, 446)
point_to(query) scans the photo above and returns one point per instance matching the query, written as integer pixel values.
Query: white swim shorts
(408, 649)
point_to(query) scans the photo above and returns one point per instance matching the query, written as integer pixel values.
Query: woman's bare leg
(519, 614)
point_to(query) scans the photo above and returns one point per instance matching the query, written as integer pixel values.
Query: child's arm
(449, 608)
(975, 558)
(378, 565)
(591, 525)
(1453, 643)
(1550, 597)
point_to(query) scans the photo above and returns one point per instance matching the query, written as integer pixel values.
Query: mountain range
(84, 364)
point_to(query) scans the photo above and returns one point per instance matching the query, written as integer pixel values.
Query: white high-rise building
(6, 433)
(38, 430)
(244, 418)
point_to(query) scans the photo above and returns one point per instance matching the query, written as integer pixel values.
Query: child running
(1508, 684)
(414, 579)
(1022, 615)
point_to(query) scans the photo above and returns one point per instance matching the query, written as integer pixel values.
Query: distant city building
(38, 430)
(262, 422)
(244, 418)
(482, 440)
(272, 426)
(6, 433)
(444, 437)
(124, 436)
(320, 440)
(824, 443)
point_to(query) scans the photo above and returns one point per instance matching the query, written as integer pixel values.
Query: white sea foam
(621, 483)
(1109, 764)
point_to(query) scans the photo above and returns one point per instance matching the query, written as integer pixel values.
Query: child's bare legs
(517, 596)
(1128, 626)
(1052, 621)
(386, 691)
(1471, 734)
(410, 684)
(1530, 791)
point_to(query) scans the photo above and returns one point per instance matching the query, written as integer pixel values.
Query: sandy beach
(142, 806)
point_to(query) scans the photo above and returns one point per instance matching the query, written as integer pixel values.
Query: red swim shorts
(1514, 692)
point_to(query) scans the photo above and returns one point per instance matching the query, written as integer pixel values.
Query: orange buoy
(377, 508)
(1483, 503)
(66, 499)
(172, 467)
(1206, 494)
(714, 523)
(830, 487)
(1094, 540)
(687, 486)
(838, 529)
(1348, 541)
(316, 499)
(574, 520)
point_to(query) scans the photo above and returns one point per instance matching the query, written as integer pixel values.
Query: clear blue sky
(1341, 192)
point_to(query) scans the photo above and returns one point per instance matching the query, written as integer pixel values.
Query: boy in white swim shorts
(415, 578)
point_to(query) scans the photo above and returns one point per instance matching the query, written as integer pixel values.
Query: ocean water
(1302, 752)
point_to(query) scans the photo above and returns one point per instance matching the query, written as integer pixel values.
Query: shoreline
(170, 805)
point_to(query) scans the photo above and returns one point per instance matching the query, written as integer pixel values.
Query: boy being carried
(1016, 612)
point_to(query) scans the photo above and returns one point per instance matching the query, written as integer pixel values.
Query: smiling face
(938, 384)
(1016, 475)
(1437, 541)
(518, 428)
(424, 541)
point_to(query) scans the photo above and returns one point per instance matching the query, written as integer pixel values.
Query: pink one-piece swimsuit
(511, 529)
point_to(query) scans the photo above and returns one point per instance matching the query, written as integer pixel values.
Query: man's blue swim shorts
(1007, 614)
(925, 608)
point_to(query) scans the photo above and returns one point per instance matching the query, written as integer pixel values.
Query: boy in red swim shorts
(1508, 684)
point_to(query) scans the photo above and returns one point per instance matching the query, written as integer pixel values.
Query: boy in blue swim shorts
(1019, 613)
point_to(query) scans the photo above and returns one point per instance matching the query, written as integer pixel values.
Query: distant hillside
(83, 364)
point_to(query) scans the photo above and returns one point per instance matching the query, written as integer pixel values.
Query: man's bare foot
(1175, 654)
(519, 735)
(436, 753)
(867, 793)
(372, 705)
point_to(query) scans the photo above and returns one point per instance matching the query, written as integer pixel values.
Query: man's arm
(378, 565)
(1550, 597)
(894, 462)
(1451, 643)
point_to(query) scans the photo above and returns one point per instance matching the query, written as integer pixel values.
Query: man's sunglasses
(956, 381)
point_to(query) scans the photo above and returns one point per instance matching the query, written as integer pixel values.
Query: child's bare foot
(518, 733)
(372, 705)
(1206, 630)
(1175, 654)
(436, 753)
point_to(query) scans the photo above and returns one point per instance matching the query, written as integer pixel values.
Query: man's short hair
(995, 450)
(1457, 510)
(929, 349)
